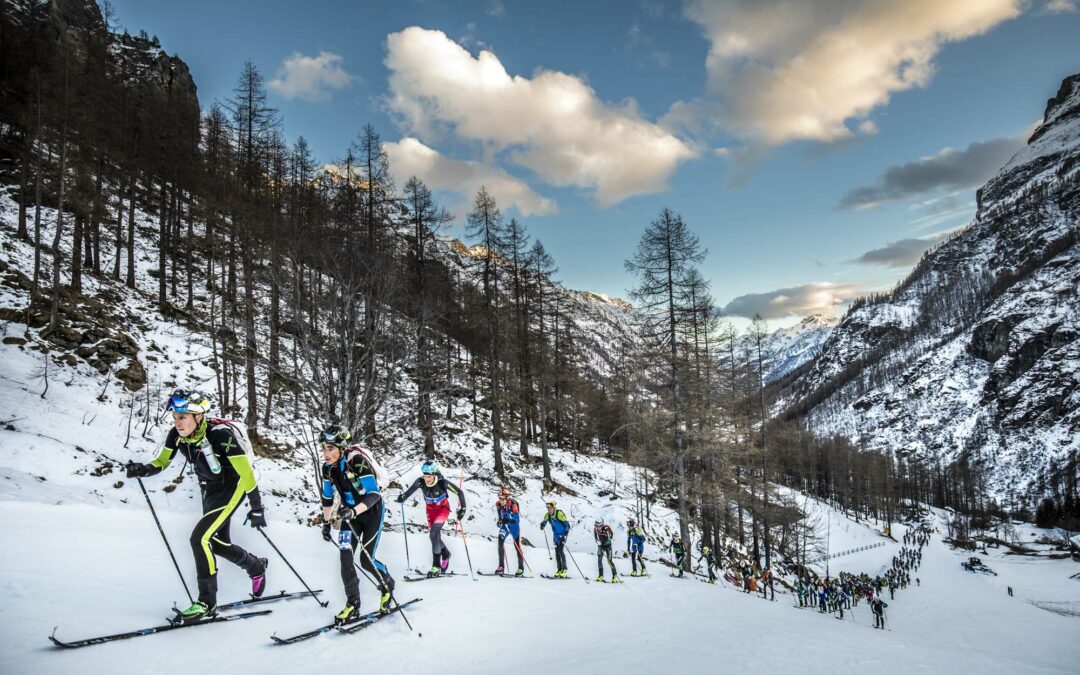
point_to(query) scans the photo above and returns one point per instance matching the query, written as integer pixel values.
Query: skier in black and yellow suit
(225, 478)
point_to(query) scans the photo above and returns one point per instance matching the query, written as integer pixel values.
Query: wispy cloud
(495, 8)
(819, 297)
(949, 169)
(1060, 7)
(410, 157)
(816, 69)
(901, 253)
(553, 123)
(311, 78)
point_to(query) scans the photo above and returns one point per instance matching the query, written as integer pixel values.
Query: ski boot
(615, 579)
(348, 613)
(499, 569)
(561, 574)
(634, 573)
(520, 572)
(601, 579)
(197, 612)
(258, 581)
(434, 572)
(387, 595)
(445, 562)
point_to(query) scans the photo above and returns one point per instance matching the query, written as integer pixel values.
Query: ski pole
(304, 583)
(371, 560)
(405, 531)
(571, 554)
(461, 528)
(546, 545)
(166, 540)
(521, 553)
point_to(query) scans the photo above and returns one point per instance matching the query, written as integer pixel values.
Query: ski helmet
(676, 537)
(187, 401)
(551, 503)
(598, 523)
(336, 435)
(504, 493)
(429, 468)
(630, 522)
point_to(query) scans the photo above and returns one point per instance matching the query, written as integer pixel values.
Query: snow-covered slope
(82, 552)
(977, 353)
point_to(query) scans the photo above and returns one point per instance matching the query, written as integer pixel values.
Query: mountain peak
(1065, 105)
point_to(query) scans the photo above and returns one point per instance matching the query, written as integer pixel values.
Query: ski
(305, 636)
(548, 576)
(373, 618)
(150, 631)
(266, 598)
(363, 619)
(426, 578)
(504, 575)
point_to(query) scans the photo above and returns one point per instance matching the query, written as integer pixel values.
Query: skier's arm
(164, 456)
(450, 487)
(412, 488)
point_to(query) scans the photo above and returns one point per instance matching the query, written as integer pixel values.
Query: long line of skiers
(221, 458)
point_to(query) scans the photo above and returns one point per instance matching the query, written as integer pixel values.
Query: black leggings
(604, 551)
(438, 546)
(560, 554)
(210, 537)
(367, 526)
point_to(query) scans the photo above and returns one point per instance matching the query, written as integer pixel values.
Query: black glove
(543, 524)
(400, 498)
(346, 513)
(502, 521)
(135, 470)
(256, 517)
(461, 513)
(326, 532)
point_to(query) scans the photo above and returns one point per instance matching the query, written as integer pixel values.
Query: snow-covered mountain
(786, 349)
(977, 353)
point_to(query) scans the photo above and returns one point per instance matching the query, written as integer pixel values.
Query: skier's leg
(347, 545)
(502, 554)
(435, 533)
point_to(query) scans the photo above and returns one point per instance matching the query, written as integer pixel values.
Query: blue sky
(816, 146)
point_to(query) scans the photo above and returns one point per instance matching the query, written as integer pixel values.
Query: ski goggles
(184, 401)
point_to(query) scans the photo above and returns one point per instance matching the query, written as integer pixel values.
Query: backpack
(376, 468)
(239, 432)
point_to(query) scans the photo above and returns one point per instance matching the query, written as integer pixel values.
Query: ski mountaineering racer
(436, 491)
(635, 547)
(509, 522)
(217, 450)
(353, 473)
(709, 559)
(676, 547)
(603, 534)
(560, 528)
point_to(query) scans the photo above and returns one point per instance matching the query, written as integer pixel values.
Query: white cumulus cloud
(815, 69)
(553, 123)
(819, 297)
(410, 157)
(311, 78)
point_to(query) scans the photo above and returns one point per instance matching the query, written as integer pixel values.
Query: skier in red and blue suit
(436, 491)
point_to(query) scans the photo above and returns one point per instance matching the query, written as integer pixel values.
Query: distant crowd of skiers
(844, 592)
